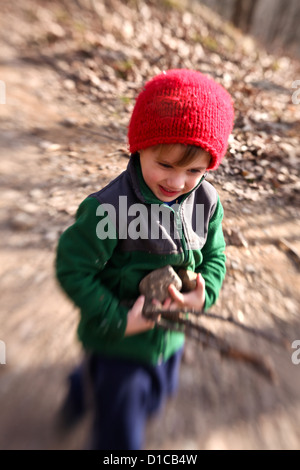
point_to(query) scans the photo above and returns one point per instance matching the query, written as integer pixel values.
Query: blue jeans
(126, 393)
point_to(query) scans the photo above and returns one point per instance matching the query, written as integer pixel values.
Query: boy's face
(164, 177)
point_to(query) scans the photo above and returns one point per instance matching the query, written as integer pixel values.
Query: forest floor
(70, 76)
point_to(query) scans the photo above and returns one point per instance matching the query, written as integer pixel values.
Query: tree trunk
(242, 13)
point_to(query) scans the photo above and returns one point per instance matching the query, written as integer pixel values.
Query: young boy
(178, 131)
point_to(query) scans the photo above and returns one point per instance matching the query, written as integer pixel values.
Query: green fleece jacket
(121, 233)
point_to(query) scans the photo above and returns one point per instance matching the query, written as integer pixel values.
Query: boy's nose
(176, 182)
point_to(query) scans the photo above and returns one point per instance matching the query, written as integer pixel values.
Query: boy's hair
(182, 107)
(188, 155)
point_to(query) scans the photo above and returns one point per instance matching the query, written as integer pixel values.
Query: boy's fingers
(167, 303)
(200, 280)
(175, 294)
(141, 300)
(138, 306)
(156, 302)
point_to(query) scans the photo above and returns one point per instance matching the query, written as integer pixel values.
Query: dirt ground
(54, 152)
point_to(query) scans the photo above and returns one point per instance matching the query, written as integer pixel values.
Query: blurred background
(273, 22)
(69, 74)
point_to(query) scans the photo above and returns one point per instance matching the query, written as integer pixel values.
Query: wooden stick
(209, 339)
(174, 315)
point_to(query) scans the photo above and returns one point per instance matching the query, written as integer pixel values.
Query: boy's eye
(195, 170)
(165, 165)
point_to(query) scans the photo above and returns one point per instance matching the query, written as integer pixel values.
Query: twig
(174, 315)
(284, 245)
(174, 320)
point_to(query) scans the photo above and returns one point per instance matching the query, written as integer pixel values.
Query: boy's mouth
(168, 192)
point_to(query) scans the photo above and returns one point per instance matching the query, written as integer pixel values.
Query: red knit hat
(185, 107)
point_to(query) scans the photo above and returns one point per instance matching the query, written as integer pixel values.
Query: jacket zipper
(179, 227)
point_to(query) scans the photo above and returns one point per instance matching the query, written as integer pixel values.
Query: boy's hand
(191, 300)
(136, 322)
